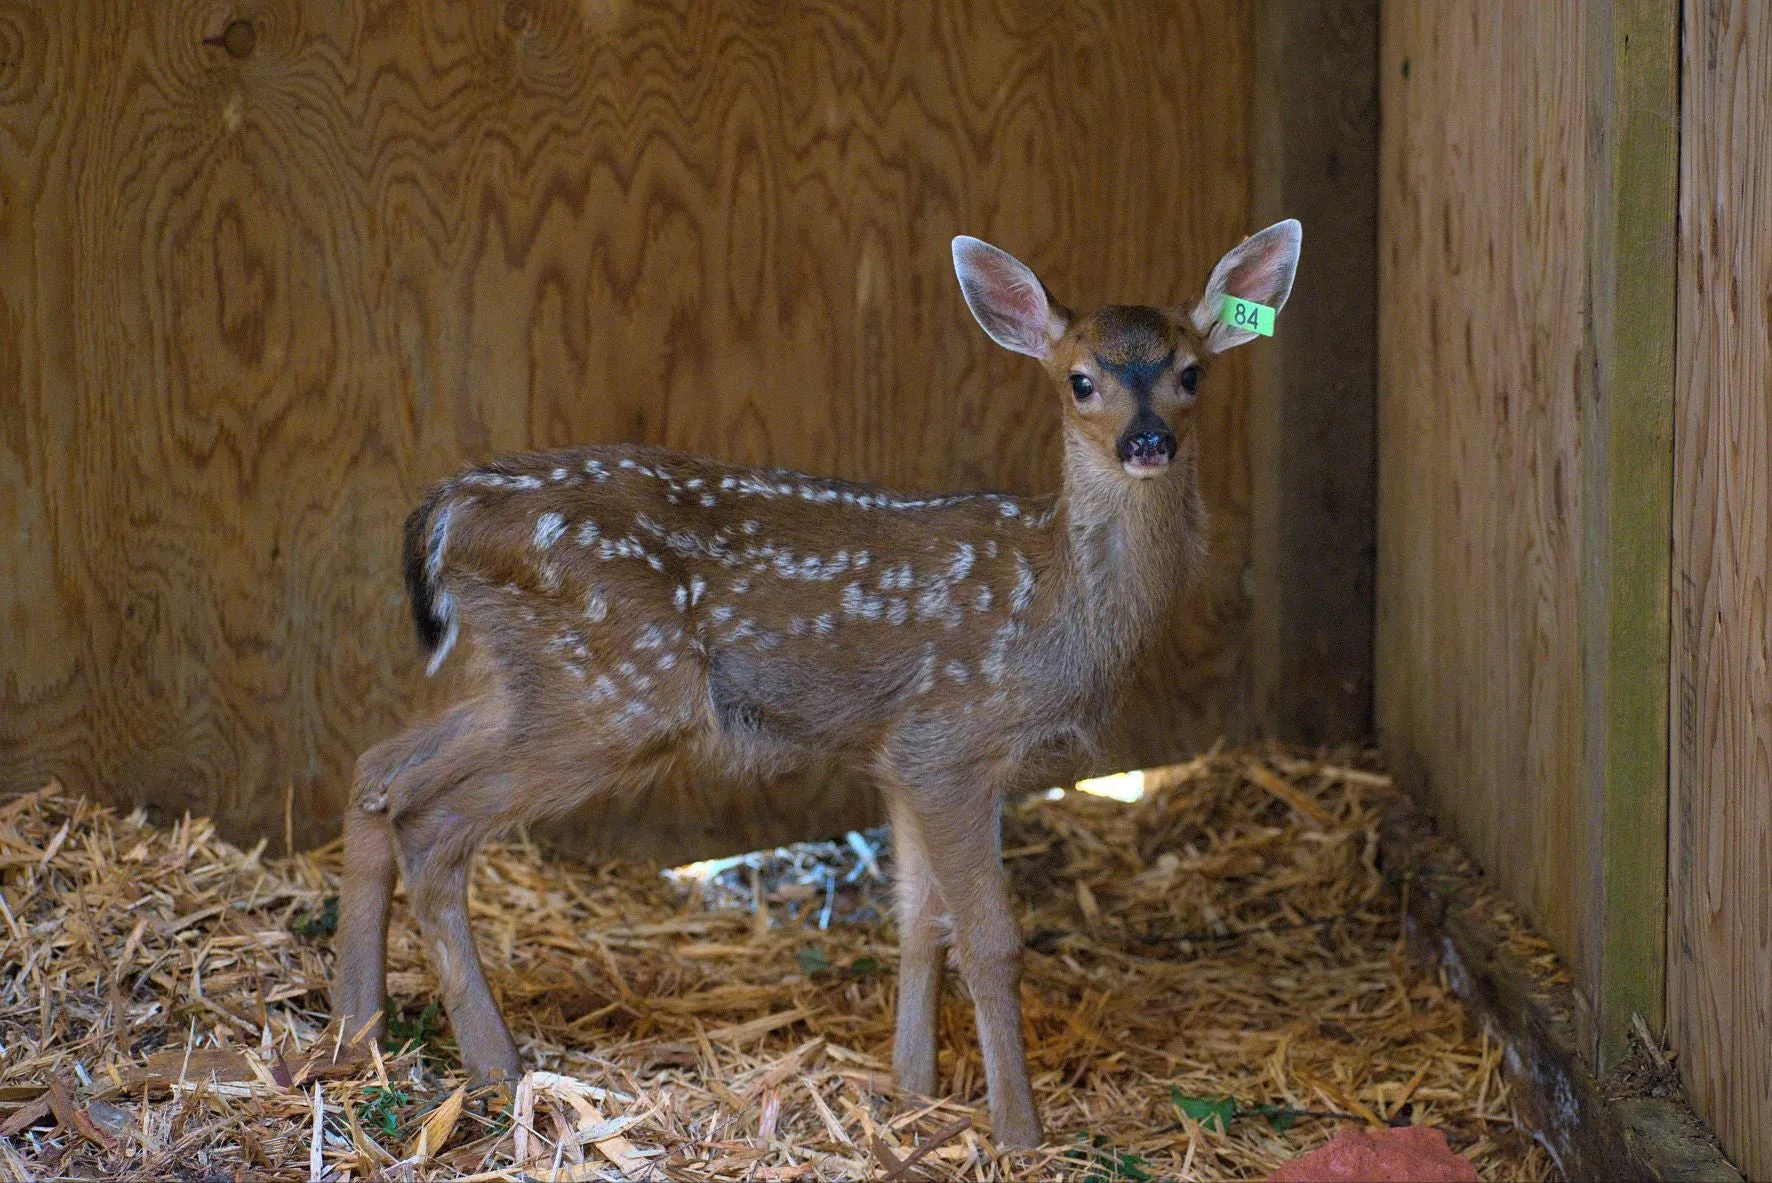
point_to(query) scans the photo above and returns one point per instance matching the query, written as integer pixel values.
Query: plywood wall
(1720, 938)
(1482, 297)
(268, 268)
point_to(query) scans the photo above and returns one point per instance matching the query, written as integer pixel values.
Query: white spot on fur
(721, 613)
(697, 585)
(1009, 509)
(596, 603)
(751, 527)
(667, 661)
(587, 533)
(708, 501)
(957, 671)
(627, 669)
(1023, 594)
(825, 622)
(926, 671)
(858, 604)
(964, 557)
(602, 690)
(651, 637)
(559, 474)
(982, 601)
(681, 598)
(741, 586)
(548, 528)
(898, 611)
(996, 659)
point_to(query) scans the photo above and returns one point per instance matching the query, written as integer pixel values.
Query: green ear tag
(1247, 315)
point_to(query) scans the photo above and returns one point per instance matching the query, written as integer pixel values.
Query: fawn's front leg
(921, 957)
(960, 826)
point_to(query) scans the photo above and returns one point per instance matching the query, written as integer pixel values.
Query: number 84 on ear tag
(1247, 315)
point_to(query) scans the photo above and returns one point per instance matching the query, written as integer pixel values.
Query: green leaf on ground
(1204, 1110)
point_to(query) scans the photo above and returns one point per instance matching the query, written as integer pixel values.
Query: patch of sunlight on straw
(1121, 786)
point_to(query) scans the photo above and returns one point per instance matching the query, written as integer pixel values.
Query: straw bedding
(1214, 984)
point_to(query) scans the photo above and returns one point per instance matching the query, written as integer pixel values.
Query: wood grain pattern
(1720, 940)
(1483, 289)
(250, 305)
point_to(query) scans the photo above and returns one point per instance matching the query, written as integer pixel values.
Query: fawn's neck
(1122, 550)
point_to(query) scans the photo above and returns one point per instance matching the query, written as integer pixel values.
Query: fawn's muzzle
(1146, 451)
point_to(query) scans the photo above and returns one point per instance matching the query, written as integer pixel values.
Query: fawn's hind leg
(437, 843)
(436, 838)
(394, 771)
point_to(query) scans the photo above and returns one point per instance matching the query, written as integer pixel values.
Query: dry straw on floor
(1221, 953)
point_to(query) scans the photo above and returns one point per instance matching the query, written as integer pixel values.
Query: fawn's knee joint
(993, 954)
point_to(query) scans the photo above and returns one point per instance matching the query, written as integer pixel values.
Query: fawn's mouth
(1145, 467)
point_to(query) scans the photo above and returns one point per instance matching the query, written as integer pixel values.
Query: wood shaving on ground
(1215, 983)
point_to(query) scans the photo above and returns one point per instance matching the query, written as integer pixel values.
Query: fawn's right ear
(1008, 300)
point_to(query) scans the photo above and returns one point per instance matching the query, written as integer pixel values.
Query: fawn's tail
(426, 544)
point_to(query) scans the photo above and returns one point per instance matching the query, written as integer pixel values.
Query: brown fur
(636, 608)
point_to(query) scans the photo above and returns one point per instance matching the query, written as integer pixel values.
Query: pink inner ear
(1256, 277)
(1018, 299)
(1006, 290)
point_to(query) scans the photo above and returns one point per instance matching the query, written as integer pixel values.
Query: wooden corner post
(1314, 394)
(1627, 497)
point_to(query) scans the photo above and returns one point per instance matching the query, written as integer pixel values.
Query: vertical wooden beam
(1313, 405)
(1627, 495)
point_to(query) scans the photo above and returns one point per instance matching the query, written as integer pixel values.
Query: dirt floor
(1215, 983)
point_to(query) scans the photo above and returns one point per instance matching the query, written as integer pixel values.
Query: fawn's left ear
(1260, 268)
(1007, 298)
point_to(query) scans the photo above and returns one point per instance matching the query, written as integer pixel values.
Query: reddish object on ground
(1409, 1154)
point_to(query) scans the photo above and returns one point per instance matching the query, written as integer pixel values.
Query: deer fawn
(637, 608)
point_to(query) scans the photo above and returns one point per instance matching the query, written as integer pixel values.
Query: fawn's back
(645, 602)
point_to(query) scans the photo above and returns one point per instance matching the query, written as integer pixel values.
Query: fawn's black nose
(1149, 449)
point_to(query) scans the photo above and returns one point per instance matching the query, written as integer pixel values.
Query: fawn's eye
(1190, 378)
(1081, 386)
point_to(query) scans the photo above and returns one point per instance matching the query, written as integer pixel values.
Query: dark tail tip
(420, 591)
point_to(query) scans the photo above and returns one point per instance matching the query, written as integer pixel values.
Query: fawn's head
(1129, 373)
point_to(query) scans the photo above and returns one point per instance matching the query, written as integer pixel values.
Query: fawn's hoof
(919, 1079)
(1018, 1133)
(501, 1068)
(359, 1028)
